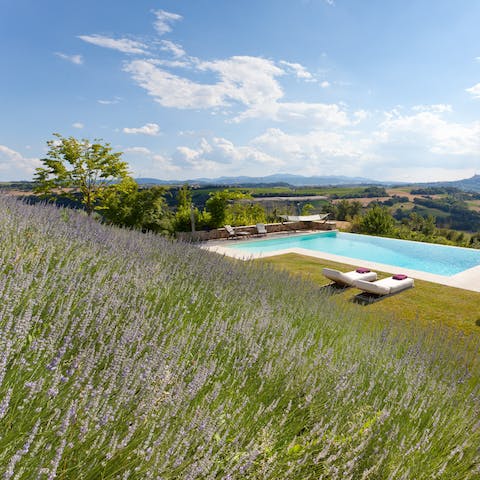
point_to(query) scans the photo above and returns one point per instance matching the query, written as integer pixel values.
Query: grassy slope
(428, 303)
(123, 355)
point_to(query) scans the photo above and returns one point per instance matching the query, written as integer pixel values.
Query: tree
(343, 208)
(183, 220)
(125, 205)
(73, 166)
(377, 221)
(307, 209)
(346, 210)
(218, 203)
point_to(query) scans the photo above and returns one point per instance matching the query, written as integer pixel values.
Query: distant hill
(278, 178)
(469, 184)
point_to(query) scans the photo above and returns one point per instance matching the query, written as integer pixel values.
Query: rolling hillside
(126, 355)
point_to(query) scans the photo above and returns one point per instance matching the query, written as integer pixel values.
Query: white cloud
(170, 90)
(109, 102)
(326, 115)
(429, 132)
(436, 108)
(299, 70)
(325, 84)
(314, 148)
(164, 20)
(360, 116)
(78, 125)
(145, 162)
(164, 164)
(474, 91)
(76, 59)
(138, 150)
(247, 80)
(174, 48)
(13, 165)
(242, 81)
(124, 45)
(223, 156)
(151, 129)
(403, 146)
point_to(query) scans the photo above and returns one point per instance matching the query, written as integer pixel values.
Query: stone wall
(219, 233)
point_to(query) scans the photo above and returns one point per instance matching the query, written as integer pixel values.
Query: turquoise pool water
(425, 257)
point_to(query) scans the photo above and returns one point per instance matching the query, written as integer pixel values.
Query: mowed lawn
(427, 303)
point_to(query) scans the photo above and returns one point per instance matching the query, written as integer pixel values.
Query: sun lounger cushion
(385, 286)
(348, 278)
(362, 270)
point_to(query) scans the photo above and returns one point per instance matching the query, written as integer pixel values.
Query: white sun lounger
(386, 286)
(233, 233)
(261, 229)
(348, 278)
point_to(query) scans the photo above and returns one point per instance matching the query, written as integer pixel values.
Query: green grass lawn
(429, 303)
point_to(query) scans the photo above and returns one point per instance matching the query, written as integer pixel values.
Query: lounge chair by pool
(347, 279)
(261, 229)
(232, 233)
(386, 286)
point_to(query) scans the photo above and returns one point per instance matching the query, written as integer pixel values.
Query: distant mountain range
(278, 178)
(469, 184)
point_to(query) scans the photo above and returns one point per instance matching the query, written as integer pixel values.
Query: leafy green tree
(73, 166)
(126, 205)
(377, 221)
(307, 209)
(355, 208)
(346, 210)
(342, 209)
(245, 214)
(218, 203)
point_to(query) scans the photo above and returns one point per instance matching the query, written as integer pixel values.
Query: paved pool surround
(467, 280)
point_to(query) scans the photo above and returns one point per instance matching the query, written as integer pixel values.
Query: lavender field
(128, 356)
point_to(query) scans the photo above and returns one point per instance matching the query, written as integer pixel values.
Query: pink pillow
(399, 276)
(362, 270)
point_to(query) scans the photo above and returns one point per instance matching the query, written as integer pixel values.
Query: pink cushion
(362, 270)
(399, 276)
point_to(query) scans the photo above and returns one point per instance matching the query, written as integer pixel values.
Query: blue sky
(186, 89)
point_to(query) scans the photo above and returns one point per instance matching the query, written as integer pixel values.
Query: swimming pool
(426, 257)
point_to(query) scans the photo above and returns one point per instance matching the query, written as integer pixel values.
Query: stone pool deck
(467, 280)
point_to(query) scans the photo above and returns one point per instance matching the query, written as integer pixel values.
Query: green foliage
(245, 214)
(184, 197)
(185, 211)
(128, 206)
(183, 219)
(460, 217)
(218, 203)
(345, 209)
(377, 221)
(307, 209)
(73, 164)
